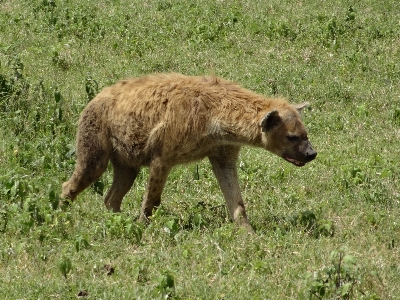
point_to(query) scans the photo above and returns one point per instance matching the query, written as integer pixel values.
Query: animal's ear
(270, 120)
(300, 106)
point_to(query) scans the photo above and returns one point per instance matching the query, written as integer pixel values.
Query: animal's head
(285, 135)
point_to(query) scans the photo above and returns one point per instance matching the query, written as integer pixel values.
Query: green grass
(329, 230)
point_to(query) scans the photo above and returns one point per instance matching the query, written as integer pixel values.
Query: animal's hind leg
(158, 174)
(88, 169)
(124, 177)
(92, 151)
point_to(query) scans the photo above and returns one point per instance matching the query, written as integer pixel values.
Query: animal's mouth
(294, 161)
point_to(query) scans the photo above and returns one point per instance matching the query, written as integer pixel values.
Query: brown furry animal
(168, 119)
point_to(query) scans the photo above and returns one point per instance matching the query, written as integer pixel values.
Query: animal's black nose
(311, 155)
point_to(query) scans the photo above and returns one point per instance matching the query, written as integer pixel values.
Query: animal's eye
(293, 138)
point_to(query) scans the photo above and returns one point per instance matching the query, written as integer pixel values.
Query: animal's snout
(311, 154)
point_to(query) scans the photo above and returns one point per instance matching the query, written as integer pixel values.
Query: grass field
(330, 230)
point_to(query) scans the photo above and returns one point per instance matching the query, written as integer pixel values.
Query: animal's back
(143, 113)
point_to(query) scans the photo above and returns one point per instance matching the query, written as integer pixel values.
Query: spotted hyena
(164, 120)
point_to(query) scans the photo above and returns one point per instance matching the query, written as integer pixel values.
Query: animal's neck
(242, 132)
(241, 123)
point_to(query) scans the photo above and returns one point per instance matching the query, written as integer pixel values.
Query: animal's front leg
(157, 178)
(223, 162)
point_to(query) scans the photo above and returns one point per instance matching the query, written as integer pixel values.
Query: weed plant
(329, 230)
